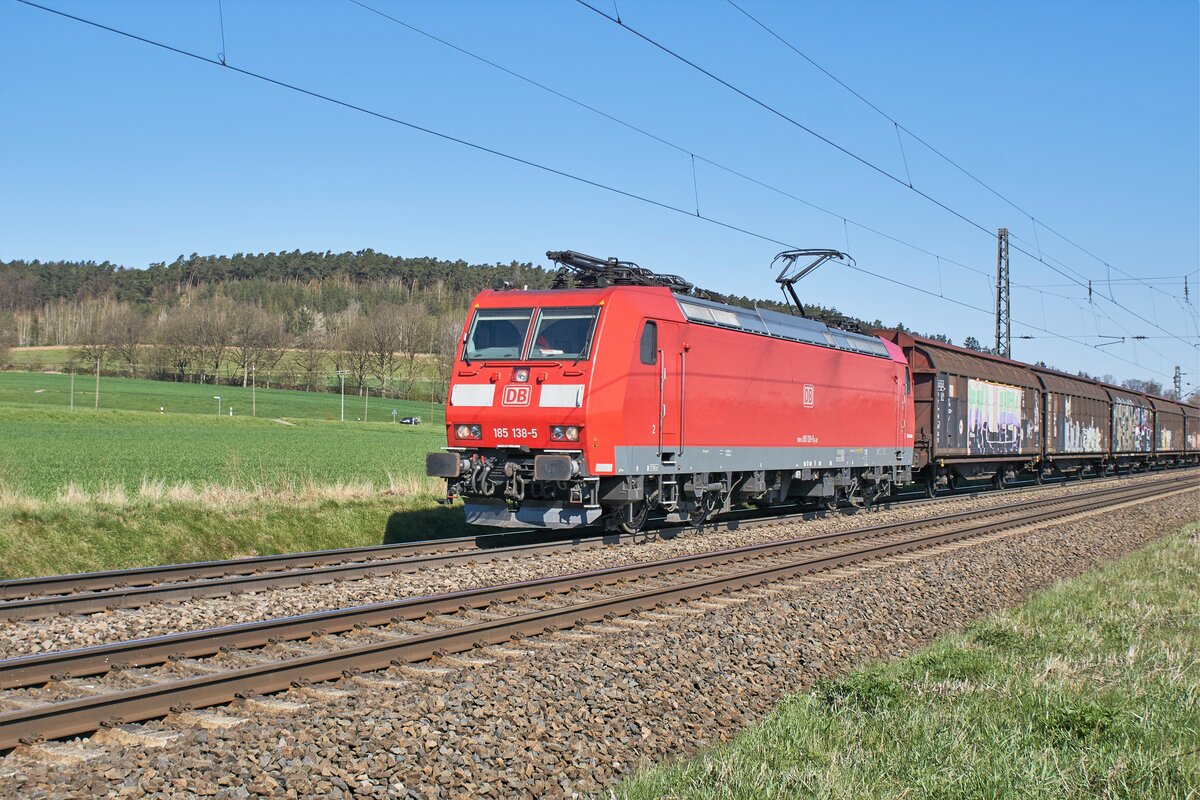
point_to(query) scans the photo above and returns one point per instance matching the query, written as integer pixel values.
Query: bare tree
(94, 340)
(355, 351)
(447, 333)
(214, 334)
(310, 358)
(257, 340)
(8, 334)
(419, 330)
(384, 330)
(126, 334)
(177, 346)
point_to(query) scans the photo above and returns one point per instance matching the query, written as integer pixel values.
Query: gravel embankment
(58, 633)
(579, 712)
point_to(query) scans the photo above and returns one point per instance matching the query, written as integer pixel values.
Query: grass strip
(60, 538)
(1090, 689)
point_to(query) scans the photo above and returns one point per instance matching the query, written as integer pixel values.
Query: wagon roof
(1062, 383)
(1163, 404)
(944, 357)
(1137, 399)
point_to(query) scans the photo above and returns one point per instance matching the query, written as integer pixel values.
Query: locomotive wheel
(640, 511)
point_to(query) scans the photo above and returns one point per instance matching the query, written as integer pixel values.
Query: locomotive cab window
(563, 333)
(649, 343)
(497, 333)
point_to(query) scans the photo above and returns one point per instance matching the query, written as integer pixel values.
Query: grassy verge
(64, 537)
(1091, 689)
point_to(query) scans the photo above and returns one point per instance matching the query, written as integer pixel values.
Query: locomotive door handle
(682, 385)
(662, 400)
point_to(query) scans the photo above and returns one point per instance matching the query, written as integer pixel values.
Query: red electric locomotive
(619, 392)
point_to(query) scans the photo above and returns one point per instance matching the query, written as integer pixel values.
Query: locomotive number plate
(514, 433)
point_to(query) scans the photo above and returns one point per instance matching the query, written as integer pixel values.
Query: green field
(53, 391)
(37, 358)
(128, 485)
(47, 446)
(1091, 689)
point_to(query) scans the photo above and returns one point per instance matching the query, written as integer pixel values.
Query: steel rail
(142, 576)
(27, 671)
(17, 589)
(123, 581)
(91, 602)
(41, 667)
(82, 715)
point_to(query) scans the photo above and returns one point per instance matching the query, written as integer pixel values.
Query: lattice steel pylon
(1178, 383)
(1003, 302)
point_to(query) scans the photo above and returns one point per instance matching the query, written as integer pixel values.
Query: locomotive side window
(564, 333)
(497, 333)
(907, 382)
(649, 343)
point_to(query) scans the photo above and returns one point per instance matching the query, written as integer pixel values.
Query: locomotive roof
(780, 326)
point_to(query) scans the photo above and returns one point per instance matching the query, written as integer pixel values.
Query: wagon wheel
(639, 511)
(999, 481)
(1039, 476)
(931, 486)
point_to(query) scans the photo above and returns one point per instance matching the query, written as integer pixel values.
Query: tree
(257, 339)
(127, 333)
(8, 335)
(419, 329)
(214, 332)
(971, 343)
(177, 349)
(1193, 399)
(356, 351)
(1147, 386)
(95, 340)
(445, 341)
(384, 330)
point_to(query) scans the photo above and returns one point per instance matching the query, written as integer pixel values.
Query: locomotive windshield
(497, 333)
(564, 333)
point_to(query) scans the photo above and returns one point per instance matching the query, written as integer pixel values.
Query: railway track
(96, 592)
(51, 697)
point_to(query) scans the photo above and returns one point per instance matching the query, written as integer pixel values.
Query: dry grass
(155, 491)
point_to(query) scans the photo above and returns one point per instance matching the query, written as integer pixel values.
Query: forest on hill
(294, 318)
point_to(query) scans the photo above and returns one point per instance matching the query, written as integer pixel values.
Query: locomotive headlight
(521, 375)
(568, 433)
(468, 432)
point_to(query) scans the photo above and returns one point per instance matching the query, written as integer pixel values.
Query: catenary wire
(673, 145)
(899, 126)
(519, 160)
(873, 166)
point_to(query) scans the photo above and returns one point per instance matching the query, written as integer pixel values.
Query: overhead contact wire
(498, 153)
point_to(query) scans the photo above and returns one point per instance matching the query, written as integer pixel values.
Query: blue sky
(1085, 115)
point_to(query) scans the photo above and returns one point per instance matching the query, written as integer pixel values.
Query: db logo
(808, 395)
(516, 396)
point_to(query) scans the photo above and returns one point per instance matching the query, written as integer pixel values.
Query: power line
(926, 144)
(662, 140)
(509, 157)
(771, 109)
